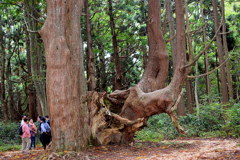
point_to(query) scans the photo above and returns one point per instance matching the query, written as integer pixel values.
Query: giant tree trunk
(148, 97)
(65, 81)
(224, 90)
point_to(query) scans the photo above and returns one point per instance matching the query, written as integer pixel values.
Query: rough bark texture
(113, 125)
(90, 56)
(225, 46)
(65, 81)
(224, 90)
(156, 70)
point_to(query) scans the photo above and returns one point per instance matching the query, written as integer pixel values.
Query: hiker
(26, 141)
(47, 120)
(45, 133)
(33, 131)
(22, 121)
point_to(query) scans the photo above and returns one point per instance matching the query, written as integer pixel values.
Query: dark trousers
(33, 142)
(45, 139)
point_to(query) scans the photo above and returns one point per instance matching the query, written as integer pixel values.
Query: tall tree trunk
(229, 77)
(205, 53)
(156, 71)
(118, 74)
(32, 98)
(190, 56)
(90, 56)
(224, 90)
(181, 44)
(36, 56)
(171, 31)
(65, 76)
(3, 58)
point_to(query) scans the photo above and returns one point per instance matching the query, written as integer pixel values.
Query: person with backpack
(45, 133)
(26, 141)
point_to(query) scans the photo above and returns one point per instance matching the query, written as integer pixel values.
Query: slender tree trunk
(196, 91)
(190, 56)
(31, 92)
(90, 56)
(36, 56)
(118, 74)
(229, 77)
(224, 90)
(3, 59)
(171, 31)
(205, 53)
(65, 75)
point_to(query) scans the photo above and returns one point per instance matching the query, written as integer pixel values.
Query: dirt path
(180, 149)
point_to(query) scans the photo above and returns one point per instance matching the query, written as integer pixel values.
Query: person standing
(47, 120)
(26, 141)
(33, 131)
(22, 121)
(45, 134)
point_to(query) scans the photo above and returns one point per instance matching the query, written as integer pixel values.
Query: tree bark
(224, 90)
(3, 59)
(171, 31)
(181, 44)
(65, 76)
(208, 85)
(156, 71)
(229, 77)
(90, 56)
(118, 74)
(36, 56)
(31, 92)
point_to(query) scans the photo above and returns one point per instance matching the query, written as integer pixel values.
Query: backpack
(20, 132)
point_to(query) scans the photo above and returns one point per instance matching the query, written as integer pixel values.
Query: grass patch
(9, 147)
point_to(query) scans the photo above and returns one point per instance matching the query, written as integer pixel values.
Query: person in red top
(26, 141)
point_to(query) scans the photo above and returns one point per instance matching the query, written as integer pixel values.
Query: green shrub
(9, 133)
(212, 121)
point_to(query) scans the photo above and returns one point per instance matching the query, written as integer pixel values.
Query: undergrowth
(213, 121)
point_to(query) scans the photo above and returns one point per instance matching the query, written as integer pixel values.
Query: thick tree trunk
(90, 56)
(224, 90)
(118, 75)
(229, 77)
(156, 70)
(65, 76)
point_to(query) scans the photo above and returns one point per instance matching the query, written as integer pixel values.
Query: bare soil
(179, 149)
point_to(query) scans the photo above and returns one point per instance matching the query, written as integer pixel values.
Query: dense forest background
(115, 46)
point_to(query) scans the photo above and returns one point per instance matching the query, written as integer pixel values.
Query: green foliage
(9, 133)
(10, 148)
(213, 121)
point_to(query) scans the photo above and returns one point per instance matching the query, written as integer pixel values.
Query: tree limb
(204, 50)
(205, 74)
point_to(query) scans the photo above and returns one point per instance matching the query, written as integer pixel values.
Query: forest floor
(179, 149)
